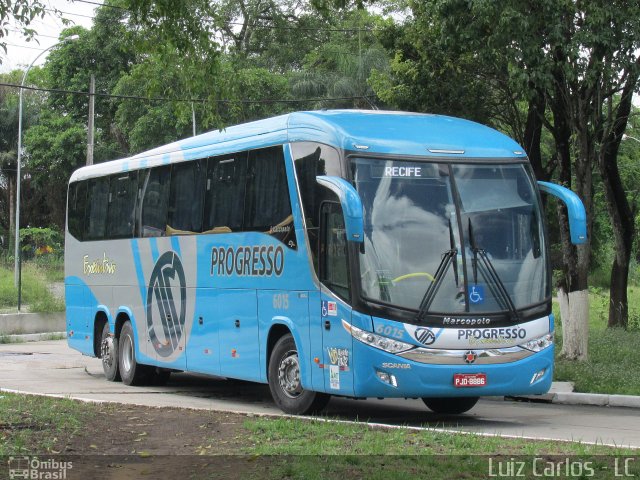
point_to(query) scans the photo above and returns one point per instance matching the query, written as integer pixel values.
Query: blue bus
(350, 253)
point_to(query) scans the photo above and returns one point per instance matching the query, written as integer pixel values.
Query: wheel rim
(127, 354)
(289, 374)
(107, 353)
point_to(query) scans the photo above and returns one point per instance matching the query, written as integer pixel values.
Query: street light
(17, 240)
(625, 136)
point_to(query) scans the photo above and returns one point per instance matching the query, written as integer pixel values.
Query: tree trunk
(575, 323)
(622, 219)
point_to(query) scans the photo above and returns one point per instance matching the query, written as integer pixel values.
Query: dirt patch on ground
(121, 442)
(128, 429)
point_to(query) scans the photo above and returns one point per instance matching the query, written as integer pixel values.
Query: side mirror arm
(575, 209)
(351, 205)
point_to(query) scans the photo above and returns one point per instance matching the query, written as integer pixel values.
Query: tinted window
(334, 272)
(224, 200)
(76, 207)
(123, 191)
(267, 205)
(185, 199)
(311, 160)
(96, 213)
(155, 203)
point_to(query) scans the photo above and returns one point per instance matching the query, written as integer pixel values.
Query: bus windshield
(454, 238)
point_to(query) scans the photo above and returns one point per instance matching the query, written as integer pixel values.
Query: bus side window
(311, 160)
(153, 217)
(267, 205)
(224, 193)
(77, 205)
(185, 199)
(95, 221)
(334, 265)
(123, 193)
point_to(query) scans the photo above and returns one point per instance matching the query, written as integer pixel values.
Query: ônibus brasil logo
(166, 304)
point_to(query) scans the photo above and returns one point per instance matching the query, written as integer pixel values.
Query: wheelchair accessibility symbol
(476, 294)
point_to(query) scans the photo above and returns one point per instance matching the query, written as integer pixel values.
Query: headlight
(383, 343)
(538, 344)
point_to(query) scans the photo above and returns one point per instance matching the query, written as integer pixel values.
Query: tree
(22, 13)
(565, 58)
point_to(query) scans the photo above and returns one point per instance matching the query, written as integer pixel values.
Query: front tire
(131, 371)
(284, 381)
(109, 354)
(451, 406)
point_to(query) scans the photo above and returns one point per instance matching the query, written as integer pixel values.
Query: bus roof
(370, 131)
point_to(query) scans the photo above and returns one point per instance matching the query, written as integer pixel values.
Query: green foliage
(40, 242)
(56, 146)
(35, 291)
(21, 14)
(613, 352)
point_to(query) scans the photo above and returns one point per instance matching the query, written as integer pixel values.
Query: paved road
(52, 368)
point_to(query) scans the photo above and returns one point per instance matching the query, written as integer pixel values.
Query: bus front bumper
(382, 374)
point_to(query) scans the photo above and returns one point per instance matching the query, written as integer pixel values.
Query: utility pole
(92, 102)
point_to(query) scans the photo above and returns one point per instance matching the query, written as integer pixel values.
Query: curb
(598, 399)
(562, 393)
(34, 337)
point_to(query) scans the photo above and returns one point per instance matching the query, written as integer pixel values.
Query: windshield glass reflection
(414, 213)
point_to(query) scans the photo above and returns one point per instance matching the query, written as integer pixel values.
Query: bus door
(337, 343)
(237, 313)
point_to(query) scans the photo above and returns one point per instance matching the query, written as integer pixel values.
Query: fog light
(387, 378)
(537, 376)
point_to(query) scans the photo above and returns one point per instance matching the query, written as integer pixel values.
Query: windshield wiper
(488, 271)
(430, 294)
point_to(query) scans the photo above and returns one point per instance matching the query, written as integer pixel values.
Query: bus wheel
(109, 355)
(284, 381)
(452, 406)
(131, 372)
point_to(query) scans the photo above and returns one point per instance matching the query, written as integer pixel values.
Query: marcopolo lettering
(515, 333)
(247, 261)
(466, 321)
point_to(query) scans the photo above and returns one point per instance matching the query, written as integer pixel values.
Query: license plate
(463, 380)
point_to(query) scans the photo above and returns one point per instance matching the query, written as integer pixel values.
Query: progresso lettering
(493, 333)
(247, 261)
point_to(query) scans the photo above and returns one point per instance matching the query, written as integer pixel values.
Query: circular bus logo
(425, 336)
(166, 304)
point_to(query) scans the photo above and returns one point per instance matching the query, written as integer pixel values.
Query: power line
(35, 35)
(194, 100)
(24, 46)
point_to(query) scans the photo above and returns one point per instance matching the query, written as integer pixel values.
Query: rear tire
(285, 384)
(131, 372)
(109, 354)
(451, 406)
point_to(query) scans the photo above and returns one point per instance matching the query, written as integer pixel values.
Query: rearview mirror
(351, 205)
(575, 209)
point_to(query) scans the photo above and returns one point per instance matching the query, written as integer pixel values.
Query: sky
(21, 53)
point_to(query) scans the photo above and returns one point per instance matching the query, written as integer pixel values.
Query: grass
(31, 424)
(288, 448)
(317, 450)
(290, 436)
(35, 292)
(613, 354)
